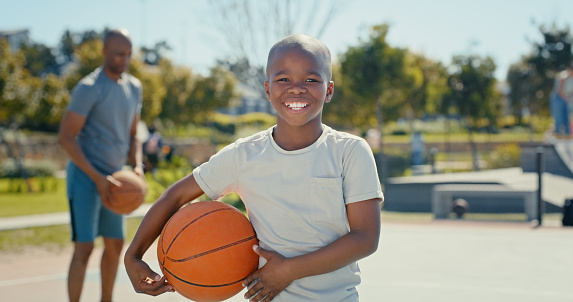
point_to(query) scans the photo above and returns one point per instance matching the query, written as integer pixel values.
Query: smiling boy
(312, 193)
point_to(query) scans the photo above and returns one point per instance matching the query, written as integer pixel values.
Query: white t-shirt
(296, 199)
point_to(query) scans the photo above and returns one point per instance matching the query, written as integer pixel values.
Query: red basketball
(130, 195)
(205, 251)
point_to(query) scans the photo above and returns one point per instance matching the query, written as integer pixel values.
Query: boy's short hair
(306, 43)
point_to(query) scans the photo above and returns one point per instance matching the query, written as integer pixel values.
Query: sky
(502, 29)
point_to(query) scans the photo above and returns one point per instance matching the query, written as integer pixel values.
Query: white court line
(450, 287)
(36, 279)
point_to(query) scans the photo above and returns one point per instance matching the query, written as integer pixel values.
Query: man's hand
(271, 279)
(103, 184)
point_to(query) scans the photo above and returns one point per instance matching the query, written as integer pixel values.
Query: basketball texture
(205, 251)
(130, 195)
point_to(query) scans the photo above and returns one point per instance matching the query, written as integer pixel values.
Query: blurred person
(561, 99)
(98, 132)
(418, 148)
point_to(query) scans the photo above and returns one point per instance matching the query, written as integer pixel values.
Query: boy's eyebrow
(309, 72)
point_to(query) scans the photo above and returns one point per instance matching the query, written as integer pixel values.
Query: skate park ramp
(558, 157)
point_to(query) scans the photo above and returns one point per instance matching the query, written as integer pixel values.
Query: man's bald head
(117, 52)
(306, 44)
(114, 34)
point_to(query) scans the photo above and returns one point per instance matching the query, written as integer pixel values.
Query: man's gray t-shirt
(110, 108)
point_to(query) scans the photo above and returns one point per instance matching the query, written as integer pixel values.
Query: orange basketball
(205, 251)
(130, 195)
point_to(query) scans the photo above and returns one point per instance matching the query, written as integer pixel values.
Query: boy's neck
(296, 138)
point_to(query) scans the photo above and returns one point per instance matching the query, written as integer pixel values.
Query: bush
(397, 160)
(10, 168)
(505, 156)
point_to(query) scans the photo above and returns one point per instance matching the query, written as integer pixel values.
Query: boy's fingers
(152, 287)
(253, 288)
(251, 280)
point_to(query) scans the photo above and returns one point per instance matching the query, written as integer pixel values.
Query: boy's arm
(361, 241)
(143, 279)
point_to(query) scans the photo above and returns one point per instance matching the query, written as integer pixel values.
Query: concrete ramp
(565, 151)
(558, 157)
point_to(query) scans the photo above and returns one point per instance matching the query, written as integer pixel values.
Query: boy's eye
(311, 80)
(282, 80)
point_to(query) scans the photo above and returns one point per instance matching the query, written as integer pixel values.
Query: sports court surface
(420, 261)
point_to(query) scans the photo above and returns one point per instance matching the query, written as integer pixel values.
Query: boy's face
(298, 85)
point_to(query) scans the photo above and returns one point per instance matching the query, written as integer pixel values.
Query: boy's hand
(271, 279)
(145, 280)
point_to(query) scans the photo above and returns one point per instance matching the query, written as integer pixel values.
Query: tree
(192, 98)
(472, 94)
(39, 59)
(424, 83)
(47, 112)
(524, 80)
(66, 48)
(531, 79)
(179, 83)
(373, 76)
(154, 90)
(18, 89)
(250, 27)
(153, 55)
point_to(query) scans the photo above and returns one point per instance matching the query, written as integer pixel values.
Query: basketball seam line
(213, 250)
(186, 226)
(205, 285)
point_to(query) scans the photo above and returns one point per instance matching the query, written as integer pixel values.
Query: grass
(49, 194)
(16, 201)
(50, 237)
(58, 236)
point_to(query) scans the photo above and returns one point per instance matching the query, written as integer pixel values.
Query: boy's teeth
(296, 106)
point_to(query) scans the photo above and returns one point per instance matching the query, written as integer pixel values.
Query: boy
(312, 193)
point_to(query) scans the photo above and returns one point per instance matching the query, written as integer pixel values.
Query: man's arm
(71, 125)
(135, 150)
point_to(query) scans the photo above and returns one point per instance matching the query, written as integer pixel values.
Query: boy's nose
(297, 88)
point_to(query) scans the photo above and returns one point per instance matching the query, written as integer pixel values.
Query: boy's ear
(329, 91)
(267, 90)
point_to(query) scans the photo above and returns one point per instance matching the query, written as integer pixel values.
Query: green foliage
(371, 76)
(531, 78)
(504, 156)
(39, 59)
(261, 119)
(18, 88)
(47, 113)
(53, 237)
(15, 199)
(154, 90)
(472, 91)
(32, 168)
(398, 162)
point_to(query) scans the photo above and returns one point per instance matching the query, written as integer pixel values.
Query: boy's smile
(296, 105)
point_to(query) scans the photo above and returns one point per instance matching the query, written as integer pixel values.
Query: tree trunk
(473, 147)
(383, 169)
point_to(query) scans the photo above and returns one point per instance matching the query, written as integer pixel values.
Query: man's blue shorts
(560, 113)
(89, 218)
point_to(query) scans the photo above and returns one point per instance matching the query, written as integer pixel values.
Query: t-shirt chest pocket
(326, 197)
